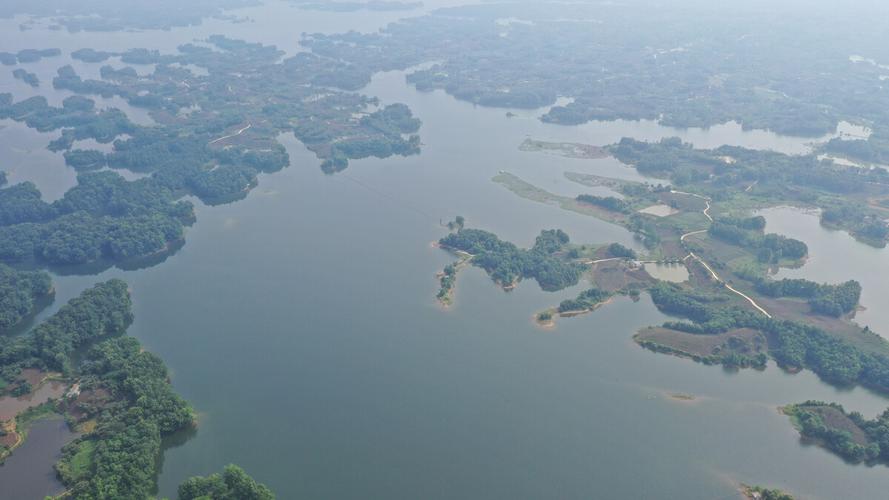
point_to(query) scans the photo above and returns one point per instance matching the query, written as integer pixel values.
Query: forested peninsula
(118, 398)
(21, 295)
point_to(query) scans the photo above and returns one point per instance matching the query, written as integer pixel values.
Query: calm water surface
(28, 472)
(834, 257)
(302, 326)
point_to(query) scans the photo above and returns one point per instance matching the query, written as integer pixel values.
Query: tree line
(102, 217)
(792, 344)
(585, 301)
(19, 293)
(119, 458)
(770, 248)
(507, 263)
(832, 300)
(848, 434)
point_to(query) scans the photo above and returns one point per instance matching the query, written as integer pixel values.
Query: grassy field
(534, 193)
(701, 347)
(832, 417)
(83, 459)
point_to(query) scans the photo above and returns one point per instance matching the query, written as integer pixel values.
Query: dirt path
(706, 200)
(239, 132)
(591, 262)
(720, 280)
(686, 235)
(716, 277)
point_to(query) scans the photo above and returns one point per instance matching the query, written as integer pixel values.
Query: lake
(301, 324)
(835, 257)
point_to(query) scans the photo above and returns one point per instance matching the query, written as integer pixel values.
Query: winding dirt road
(707, 266)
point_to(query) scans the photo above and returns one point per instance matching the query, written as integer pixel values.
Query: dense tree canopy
(585, 300)
(124, 448)
(849, 435)
(792, 344)
(98, 312)
(119, 458)
(771, 248)
(618, 250)
(232, 484)
(607, 202)
(19, 291)
(102, 217)
(506, 263)
(832, 300)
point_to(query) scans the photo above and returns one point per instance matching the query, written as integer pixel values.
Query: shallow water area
(11, 406)
(26, 159)
(674, 273)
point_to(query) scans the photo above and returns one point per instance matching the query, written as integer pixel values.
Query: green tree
(232, 484)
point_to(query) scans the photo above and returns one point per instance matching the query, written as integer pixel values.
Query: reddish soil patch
(616, 275)
(9, 439)
(32, 376)
(88, 402)
(10, 406)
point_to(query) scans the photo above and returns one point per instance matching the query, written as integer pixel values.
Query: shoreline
(446, 300)
(554, 311)
(20, 430)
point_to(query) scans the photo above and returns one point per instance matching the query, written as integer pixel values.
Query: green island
(554, 262)
(566, 149)
(847, 434)
(26, 56)
(27, 77)
(101, 16)
(347, 6)
(763, 493)
(92, 55)
(586, 301)
(549, 261)
(114, 393)
(448, 276)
